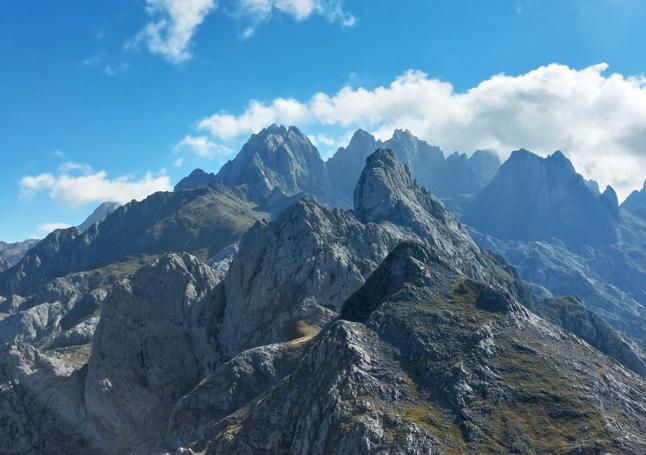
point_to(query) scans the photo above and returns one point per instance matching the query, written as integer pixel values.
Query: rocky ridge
(545, 220)
(386, 375)
(403, 370)
(446, 177)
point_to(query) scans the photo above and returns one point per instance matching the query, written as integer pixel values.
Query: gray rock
(410, 379)
(282, 159)
(290, 276)
(151, 347)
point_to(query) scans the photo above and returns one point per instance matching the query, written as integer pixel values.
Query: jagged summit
(447, 177)
(278, 158)
(534, 198)
(195, 179)
(636, 202)
(387, 191)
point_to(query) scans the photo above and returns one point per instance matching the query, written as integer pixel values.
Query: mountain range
(274, 307)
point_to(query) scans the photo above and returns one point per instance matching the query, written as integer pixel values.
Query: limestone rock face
(44, 346)
(278, 158)
(386, 193)
(150, 347)
(228, 389)
(291, 276)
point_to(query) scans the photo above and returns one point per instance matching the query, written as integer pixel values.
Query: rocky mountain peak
(99, 214)
(196, 178)
(278, 158)
(636, 202)
(362, 137)
(386, 191)
(384, 184)
(610, 200)
(534, 198)
(445, 177)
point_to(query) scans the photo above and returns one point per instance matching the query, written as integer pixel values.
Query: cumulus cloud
(202, 146)
(255, 12)
(47, 228)
(76, 185)
(597, 119)
(173, 24)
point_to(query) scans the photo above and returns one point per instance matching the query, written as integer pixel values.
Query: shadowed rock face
(150, 347)
(194, 180)
(636, 202)
(534, 198)
(566, 237)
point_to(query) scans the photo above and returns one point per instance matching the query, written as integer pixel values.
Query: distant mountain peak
(636, 202)
(278, 158)
(196, 178)
(99, 214)
(535, 198)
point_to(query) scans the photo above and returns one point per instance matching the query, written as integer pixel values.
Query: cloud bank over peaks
(597, 119)
(76, 185)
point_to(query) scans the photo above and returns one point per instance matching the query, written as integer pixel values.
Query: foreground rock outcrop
(404, 370)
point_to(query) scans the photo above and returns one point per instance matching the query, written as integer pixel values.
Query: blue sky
(92, 106)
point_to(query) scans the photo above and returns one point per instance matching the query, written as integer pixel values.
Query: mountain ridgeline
(285, 159)
(289, 305)
(534, 198)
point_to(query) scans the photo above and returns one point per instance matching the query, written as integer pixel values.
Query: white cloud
(173, 25)
(255, 12)
(178, 162)
(76, 185)
(47, 228)
(59, 154)
(597, 119)
(256, 117)
(202, 146)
